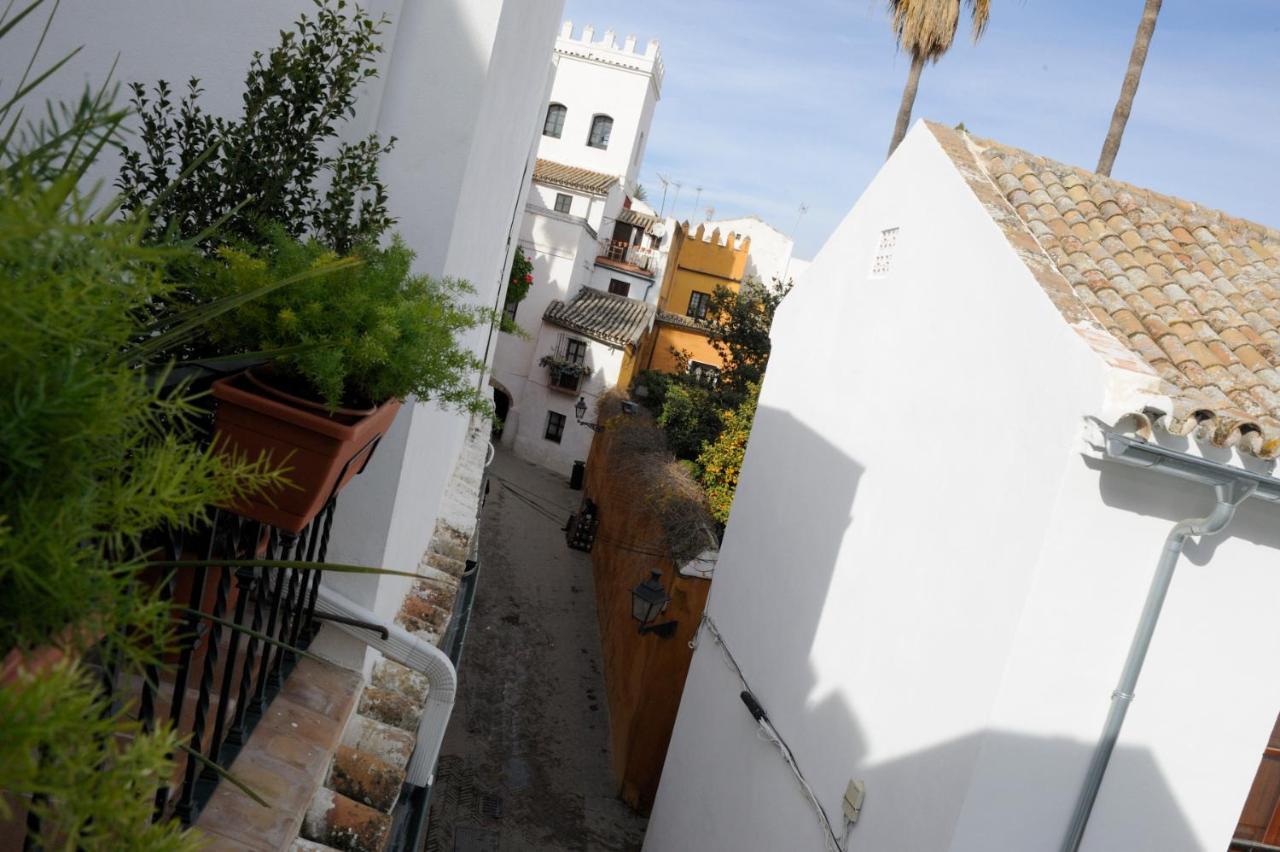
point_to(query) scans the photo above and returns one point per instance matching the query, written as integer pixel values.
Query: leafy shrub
(279, 162)
(357, 336)
(721, 461)
(689, 419)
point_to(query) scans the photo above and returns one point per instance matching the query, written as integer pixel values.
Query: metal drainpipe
(1229, 496)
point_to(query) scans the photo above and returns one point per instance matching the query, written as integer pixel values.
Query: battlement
(606, 50)
(731, 241)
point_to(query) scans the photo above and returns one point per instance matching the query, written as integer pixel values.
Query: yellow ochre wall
(698, 261)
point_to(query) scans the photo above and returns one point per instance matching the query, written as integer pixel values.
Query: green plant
(565, 367)
(280, 163)
(720, 461)
(521, 278)
(689, 418)
(91, 773)
(738, 325)
(358, 336)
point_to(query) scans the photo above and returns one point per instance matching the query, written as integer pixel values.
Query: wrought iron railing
(239, 626)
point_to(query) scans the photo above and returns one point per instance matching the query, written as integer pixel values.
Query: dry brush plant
(637, 456)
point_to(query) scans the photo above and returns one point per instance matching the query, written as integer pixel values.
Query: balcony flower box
(321, 449)
(563, 373)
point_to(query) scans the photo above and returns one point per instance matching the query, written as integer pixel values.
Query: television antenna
(665, 181)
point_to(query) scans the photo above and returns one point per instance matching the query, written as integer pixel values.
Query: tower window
(554, 125)
(564, 201)
(601, 128)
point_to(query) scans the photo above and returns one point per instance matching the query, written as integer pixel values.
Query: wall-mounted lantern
(648, 601)
(581, 410)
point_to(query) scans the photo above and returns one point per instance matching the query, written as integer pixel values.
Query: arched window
(554, 125)
(601, 127)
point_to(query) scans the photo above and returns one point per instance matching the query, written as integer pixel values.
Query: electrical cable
(766, 727)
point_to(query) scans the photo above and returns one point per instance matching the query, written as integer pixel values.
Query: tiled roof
(605, 316)
(1191, 293)
(572, 177)
(680, 320)
(635, 217)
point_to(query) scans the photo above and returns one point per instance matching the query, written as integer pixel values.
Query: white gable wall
(929, 590)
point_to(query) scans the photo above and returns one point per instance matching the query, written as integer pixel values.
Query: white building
(1002, 383)
(770, 255)
(582, 231)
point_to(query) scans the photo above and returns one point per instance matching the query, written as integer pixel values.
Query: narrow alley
(525, 764)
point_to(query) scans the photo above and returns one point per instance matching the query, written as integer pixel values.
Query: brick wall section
(644, 675)
(352, 810)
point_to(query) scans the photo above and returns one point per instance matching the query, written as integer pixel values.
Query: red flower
(528, 279)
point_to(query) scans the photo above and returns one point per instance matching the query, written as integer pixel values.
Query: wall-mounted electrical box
(853, 796)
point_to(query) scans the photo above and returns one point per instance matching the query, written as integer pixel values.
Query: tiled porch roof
(572, 177)
(604, 316)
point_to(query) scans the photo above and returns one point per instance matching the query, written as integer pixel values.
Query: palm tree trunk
(1142, 41)
(908, 101)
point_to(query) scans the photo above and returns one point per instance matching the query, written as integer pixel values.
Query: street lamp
(648, 601)
(581, 411)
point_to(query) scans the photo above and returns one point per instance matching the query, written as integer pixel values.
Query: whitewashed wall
(528, 433)
(930, 590)
(463, 86)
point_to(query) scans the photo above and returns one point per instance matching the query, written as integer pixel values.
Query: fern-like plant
(359, 336)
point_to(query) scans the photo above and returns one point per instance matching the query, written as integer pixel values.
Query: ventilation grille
(884, 253)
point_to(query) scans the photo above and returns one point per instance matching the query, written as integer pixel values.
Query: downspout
(1229, 496)
(403, 647)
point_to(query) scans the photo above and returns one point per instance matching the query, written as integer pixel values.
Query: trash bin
(578, 476)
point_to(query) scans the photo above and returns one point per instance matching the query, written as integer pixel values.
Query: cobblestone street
(525, 764)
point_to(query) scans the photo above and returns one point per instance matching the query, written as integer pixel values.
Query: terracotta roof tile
(1192, 292)
(572, 177)
(607, 317)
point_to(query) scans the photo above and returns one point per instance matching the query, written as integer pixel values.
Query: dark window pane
(601, 127)
(554, 125)
(555, 427)
(698, 304)
(509, 310)
(563, 202)
(620, 288)
(576, 351)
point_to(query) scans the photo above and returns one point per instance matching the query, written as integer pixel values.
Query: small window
(555, 427)
(698, 304)
(575, 351)
(619, 287)
(601, 128)
(554, 125)
(884, 253)
(509, 311)
(705, 374)
(563, 202)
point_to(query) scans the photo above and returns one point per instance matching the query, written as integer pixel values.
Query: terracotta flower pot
(320, 451)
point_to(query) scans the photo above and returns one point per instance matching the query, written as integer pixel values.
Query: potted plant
(564, 372)
(350, 346)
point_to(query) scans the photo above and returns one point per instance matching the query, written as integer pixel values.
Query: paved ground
(525, 764)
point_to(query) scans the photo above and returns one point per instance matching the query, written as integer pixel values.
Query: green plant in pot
(352, 345)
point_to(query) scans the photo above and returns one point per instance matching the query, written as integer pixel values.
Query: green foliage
(93, 454)
(649, 388)
(720, 461)
(564, 366)
(739, 326)
(93, 772)
(689, 418)
(366, 333)
(521, 278)
(280, 162)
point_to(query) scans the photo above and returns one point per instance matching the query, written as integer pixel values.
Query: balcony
(619, 254)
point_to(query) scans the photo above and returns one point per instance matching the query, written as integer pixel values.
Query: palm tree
(926, 29)
(1138, 58)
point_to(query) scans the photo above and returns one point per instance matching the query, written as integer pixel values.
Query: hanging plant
(521, 278)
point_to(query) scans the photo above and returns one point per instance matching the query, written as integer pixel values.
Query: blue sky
(772, 103)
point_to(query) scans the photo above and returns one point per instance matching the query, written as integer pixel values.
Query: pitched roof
(572, 177)
(634, 217)
(604, 316)
(1191, 294)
